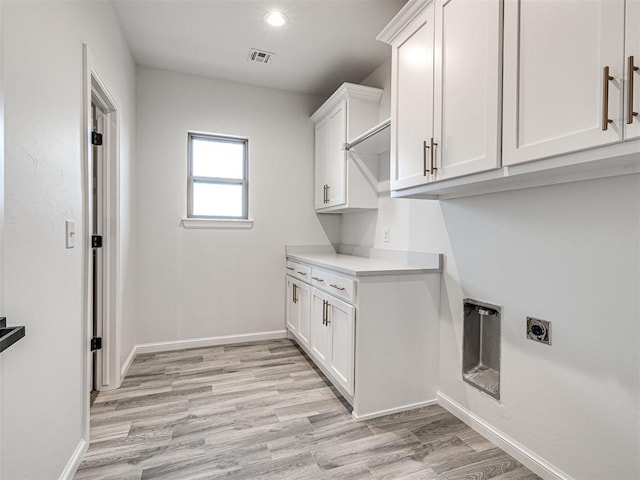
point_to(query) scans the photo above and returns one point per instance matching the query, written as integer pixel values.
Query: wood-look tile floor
(263, 411)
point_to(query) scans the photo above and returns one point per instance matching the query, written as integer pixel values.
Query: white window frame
(191, 179)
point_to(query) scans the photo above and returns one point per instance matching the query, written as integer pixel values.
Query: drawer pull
(290, 268)
(606, 78)
(433, 156)
(318, 279)
(632, 69)
(337, 287)
(302, 273)
(325, 304)
(425, 170)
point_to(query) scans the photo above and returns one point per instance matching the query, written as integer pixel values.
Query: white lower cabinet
(303, 301)
(341, 319)
(332, 337)
(320, 334)
(362, 328)
(298, 312)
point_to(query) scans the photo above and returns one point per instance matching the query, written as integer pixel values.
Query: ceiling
(325, 43)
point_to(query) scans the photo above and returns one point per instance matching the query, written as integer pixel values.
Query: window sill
(217, 224)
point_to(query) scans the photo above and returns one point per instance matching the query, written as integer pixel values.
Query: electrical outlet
(539, 330)
(387, 235)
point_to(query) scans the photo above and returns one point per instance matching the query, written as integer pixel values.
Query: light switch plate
(70, 231)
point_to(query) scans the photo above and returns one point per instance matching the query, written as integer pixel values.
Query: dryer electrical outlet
(539, 330)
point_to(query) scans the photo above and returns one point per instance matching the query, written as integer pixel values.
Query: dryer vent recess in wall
(260, 56)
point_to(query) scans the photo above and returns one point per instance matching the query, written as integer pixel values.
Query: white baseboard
(404, 408)
(75, 461)
(518, 451)
(208, 342)
(128, 361)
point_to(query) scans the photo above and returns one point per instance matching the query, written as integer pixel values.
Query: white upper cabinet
(412, 102)
(340, 185)
(446, 87)
(563, 76)
(632, 70)
(468, 56)
(330, 139)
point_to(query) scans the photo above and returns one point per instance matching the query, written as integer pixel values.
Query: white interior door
(555, 91)
(632, 70)
(467, 65)
(97, 261)
(412, 102)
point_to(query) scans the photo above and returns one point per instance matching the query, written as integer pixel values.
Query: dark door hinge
(96, 343)
(96, 241)
(96, 138)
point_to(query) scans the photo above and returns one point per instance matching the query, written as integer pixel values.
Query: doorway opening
(101, 162)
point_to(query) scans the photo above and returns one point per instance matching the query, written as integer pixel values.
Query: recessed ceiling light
(275, 18)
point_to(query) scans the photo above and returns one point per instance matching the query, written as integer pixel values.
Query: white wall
(43, 397)
(212, 283)
(569, 254)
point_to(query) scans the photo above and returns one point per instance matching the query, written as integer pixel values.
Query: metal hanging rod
(368, 134)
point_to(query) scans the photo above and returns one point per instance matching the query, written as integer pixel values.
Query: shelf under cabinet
(609, 161)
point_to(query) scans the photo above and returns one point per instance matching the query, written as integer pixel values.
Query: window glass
(217, 200)
(217, 183)
(217, 159)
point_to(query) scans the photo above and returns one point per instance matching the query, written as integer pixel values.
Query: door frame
(109, 374)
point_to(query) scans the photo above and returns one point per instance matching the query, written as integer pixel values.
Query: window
(217, 185)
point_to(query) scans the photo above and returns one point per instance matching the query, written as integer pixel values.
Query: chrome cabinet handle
(632, 69)
(324, 312)
(328, 187)
(324, 194)
(302, 273)
(433, 156)
(425, 170)
(606, 78)
(337, 287)
(295, 297)
(318, 279)
(290, 268)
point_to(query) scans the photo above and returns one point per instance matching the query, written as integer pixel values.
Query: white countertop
(361, 266)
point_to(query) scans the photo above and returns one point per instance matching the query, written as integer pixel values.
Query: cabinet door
(467, 87)
(292, 306)
(342, 323)
(320, 331)
(412, 102)
(336, 161)
(632, 76)
(555, 91)
(304, 313)
(322, 142)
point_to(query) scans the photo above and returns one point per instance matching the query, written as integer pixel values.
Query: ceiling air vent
(260, 56)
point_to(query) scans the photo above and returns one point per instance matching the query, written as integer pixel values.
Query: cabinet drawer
(299, 271)
(341, 287)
